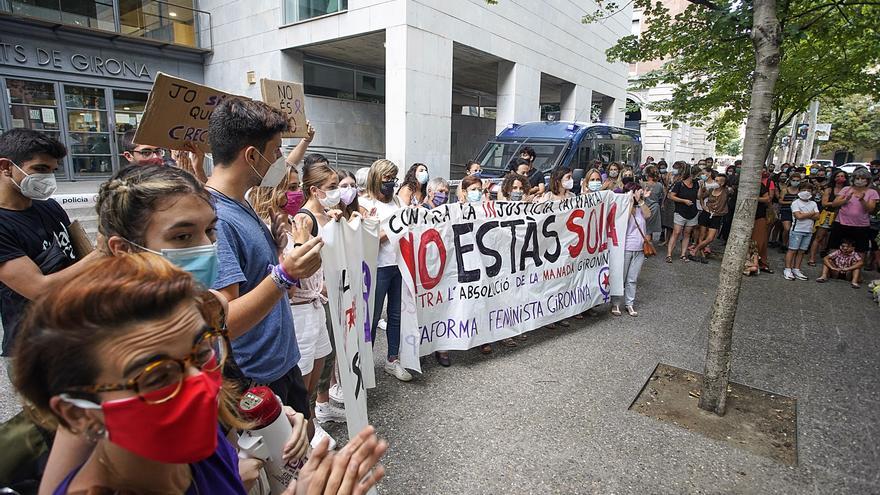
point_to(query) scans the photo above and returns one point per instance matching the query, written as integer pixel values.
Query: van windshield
(497, 154)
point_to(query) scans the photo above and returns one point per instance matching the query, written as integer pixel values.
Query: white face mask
(568, 184)
(594, 185)
(805, 195)
(36, 186)
(422, 176)
(712, 186)
(274, 174)
(331, 198)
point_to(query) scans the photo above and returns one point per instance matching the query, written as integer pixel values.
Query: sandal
(509, 343)
(684, 259)
(632, 311)
(855, 285)
(669, 259)
(811, 263)
(564, 324)
(767, 269)
(486, 349)
(521, 337)
(821, 280)
(615, 310)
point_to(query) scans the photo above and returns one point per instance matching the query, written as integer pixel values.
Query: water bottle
(265, 441)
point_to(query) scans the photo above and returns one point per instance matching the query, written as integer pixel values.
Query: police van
(574, 145)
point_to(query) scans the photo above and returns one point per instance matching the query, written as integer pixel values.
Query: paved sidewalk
(551, 416)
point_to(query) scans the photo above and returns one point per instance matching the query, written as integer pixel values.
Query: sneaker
(382, 324)
(787, 274)
(326, 412)
(799, 274)
(319, 435)
(336, 394)
(395, 369)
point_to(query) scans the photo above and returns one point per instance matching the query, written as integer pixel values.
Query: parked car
(849, 167)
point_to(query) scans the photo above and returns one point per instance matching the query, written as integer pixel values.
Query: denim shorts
(799, 241)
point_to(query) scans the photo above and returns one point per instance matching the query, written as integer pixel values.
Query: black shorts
(712, 222)
(858, 235)
(785, 214)
(292, 390)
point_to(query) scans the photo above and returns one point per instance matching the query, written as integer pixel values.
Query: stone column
(418, 99)
(519, 94)
(576, 103)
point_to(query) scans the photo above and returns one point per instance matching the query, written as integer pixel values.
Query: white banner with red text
(476, 273)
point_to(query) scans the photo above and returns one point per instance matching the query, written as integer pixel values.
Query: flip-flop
(821, 280)
(811, 263)
(855, 285)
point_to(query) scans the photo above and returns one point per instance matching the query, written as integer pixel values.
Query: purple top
(634, 239)
(216, 474)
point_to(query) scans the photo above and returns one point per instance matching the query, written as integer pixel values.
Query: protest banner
(177, 113)
(290, 99)
(477, 273)
(349, 262)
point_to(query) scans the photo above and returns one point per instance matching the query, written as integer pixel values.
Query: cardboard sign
(290, 99)
(177, 113)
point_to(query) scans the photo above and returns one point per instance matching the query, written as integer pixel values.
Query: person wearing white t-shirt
(804, 212)
(380, 201)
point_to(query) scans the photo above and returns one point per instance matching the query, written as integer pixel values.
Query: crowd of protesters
(203, 285)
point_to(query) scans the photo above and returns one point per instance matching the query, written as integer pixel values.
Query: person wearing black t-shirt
(36, 252)
(684, 195)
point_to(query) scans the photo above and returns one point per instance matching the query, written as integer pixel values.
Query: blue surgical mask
(200, 261)
(594, 185)
(474, 195)
(478, 174)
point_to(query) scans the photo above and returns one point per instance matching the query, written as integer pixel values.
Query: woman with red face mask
(124, 357)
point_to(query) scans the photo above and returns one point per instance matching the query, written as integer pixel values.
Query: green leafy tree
(855, 123)
(727, 138)
(828, 50)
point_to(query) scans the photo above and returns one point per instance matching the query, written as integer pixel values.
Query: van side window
(606, 153)
(583, 160)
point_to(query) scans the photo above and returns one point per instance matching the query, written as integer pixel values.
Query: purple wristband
(280, 273)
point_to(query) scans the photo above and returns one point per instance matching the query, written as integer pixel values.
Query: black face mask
(388, 188)
(626, 180)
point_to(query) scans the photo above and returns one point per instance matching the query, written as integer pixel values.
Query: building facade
(421, 81)
(81, 71)
(680, 141)
(417, 81)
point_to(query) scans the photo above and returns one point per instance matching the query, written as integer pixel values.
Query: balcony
(173, 22)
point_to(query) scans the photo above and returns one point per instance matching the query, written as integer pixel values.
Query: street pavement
(551, 416)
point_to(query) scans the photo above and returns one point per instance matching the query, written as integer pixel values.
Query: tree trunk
(766, 39)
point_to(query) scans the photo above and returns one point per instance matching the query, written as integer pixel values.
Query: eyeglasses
(148, 153)
(161, 380)
(389, 179)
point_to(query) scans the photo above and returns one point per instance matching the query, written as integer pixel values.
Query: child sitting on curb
(752, 262)
(843, 262)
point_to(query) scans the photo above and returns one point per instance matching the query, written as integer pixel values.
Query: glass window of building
(94, 14)
(339, 81)
(300, 10)
(173, 21)
(128, 109)
(34, 105)
(88, 131)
